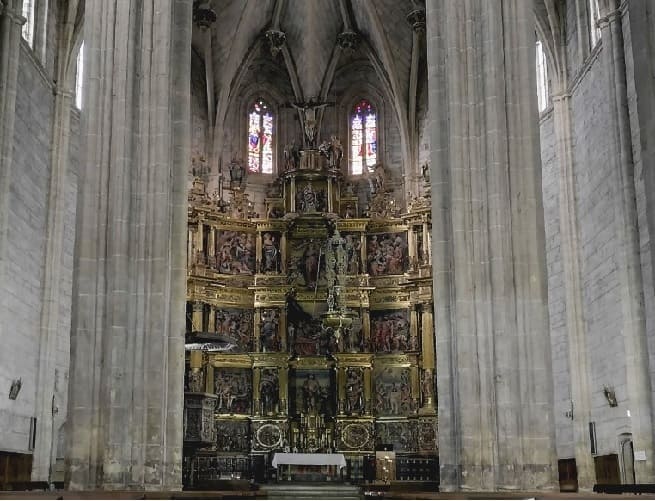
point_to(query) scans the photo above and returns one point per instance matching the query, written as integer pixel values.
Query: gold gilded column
(414, 382)
(427, 327)
(282, 329)
(341, 389)
(367, 390)
(256, 329)
(258, 252)
(362, 245)
(427, 244)
(210, 379)
(293, 195)
(200, 244)
(190, 249)
(256, 378)
(329, 194)
(411, 247)
(196, 317)
(211, 324)
(283, 383)
(283, 252)
(211, 247)
(413, 329)
(366, 329)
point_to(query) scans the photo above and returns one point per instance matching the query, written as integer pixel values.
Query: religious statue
(268, 391)
(291, 156)
(425, 173)
(311, 394)
(427, 386)
(196, 381)
(310, 121)
(271, 254)
(237, 174)
(270, 340)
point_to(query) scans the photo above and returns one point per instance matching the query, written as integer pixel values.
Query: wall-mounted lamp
(569, 413)
(610, 395)
(16, 385)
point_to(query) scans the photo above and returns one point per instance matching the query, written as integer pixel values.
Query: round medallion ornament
(269, 436)
(355, 436)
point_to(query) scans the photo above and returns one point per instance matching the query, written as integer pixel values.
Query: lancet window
(260, 138)
(363, 137)
(543, 90)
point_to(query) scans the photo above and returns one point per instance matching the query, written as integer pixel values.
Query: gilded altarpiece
(308, 330)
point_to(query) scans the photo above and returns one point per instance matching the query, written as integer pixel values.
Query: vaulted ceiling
(311, 28)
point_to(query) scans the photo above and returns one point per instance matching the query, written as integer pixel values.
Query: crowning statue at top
(310, 119)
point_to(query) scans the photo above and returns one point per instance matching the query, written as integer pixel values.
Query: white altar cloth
(280, 458)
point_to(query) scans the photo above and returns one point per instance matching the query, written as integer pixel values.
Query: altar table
(305, 466)
(280, 458)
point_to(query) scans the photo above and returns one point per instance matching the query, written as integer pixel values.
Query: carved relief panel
(233, 387)
(386, 254)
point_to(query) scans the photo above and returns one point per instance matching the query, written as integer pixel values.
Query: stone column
(127, 334)
(496, 429)
(11, 22)
(49, 393)
(627, 230)
(362, 245)
(577, 342)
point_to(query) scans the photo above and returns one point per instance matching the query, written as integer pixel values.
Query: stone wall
(598, 201)
(22, 291)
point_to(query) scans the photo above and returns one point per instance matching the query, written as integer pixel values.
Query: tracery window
(543, 90)
(28, 27)
(79, 77)
(594, 16)
(260, 138)
(363, 137)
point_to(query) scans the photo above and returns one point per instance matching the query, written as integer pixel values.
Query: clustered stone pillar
(629, 265)
(128, 322)
(577, 343)
(496, 429)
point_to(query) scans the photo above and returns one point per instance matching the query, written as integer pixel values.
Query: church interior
(327, 248)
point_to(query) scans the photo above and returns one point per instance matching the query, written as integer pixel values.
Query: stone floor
(309, 491)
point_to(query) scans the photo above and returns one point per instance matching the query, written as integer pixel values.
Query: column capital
(13, 15)
(417, 19)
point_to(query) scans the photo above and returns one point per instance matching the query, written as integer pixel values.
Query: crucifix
(310, 120)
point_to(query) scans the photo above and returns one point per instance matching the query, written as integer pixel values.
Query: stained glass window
(363, 138)
(542, 78)
(260, 138)
(79, 77)
(594, 16)
(28, 27)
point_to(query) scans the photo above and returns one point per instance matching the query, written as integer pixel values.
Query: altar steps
(312, 491)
